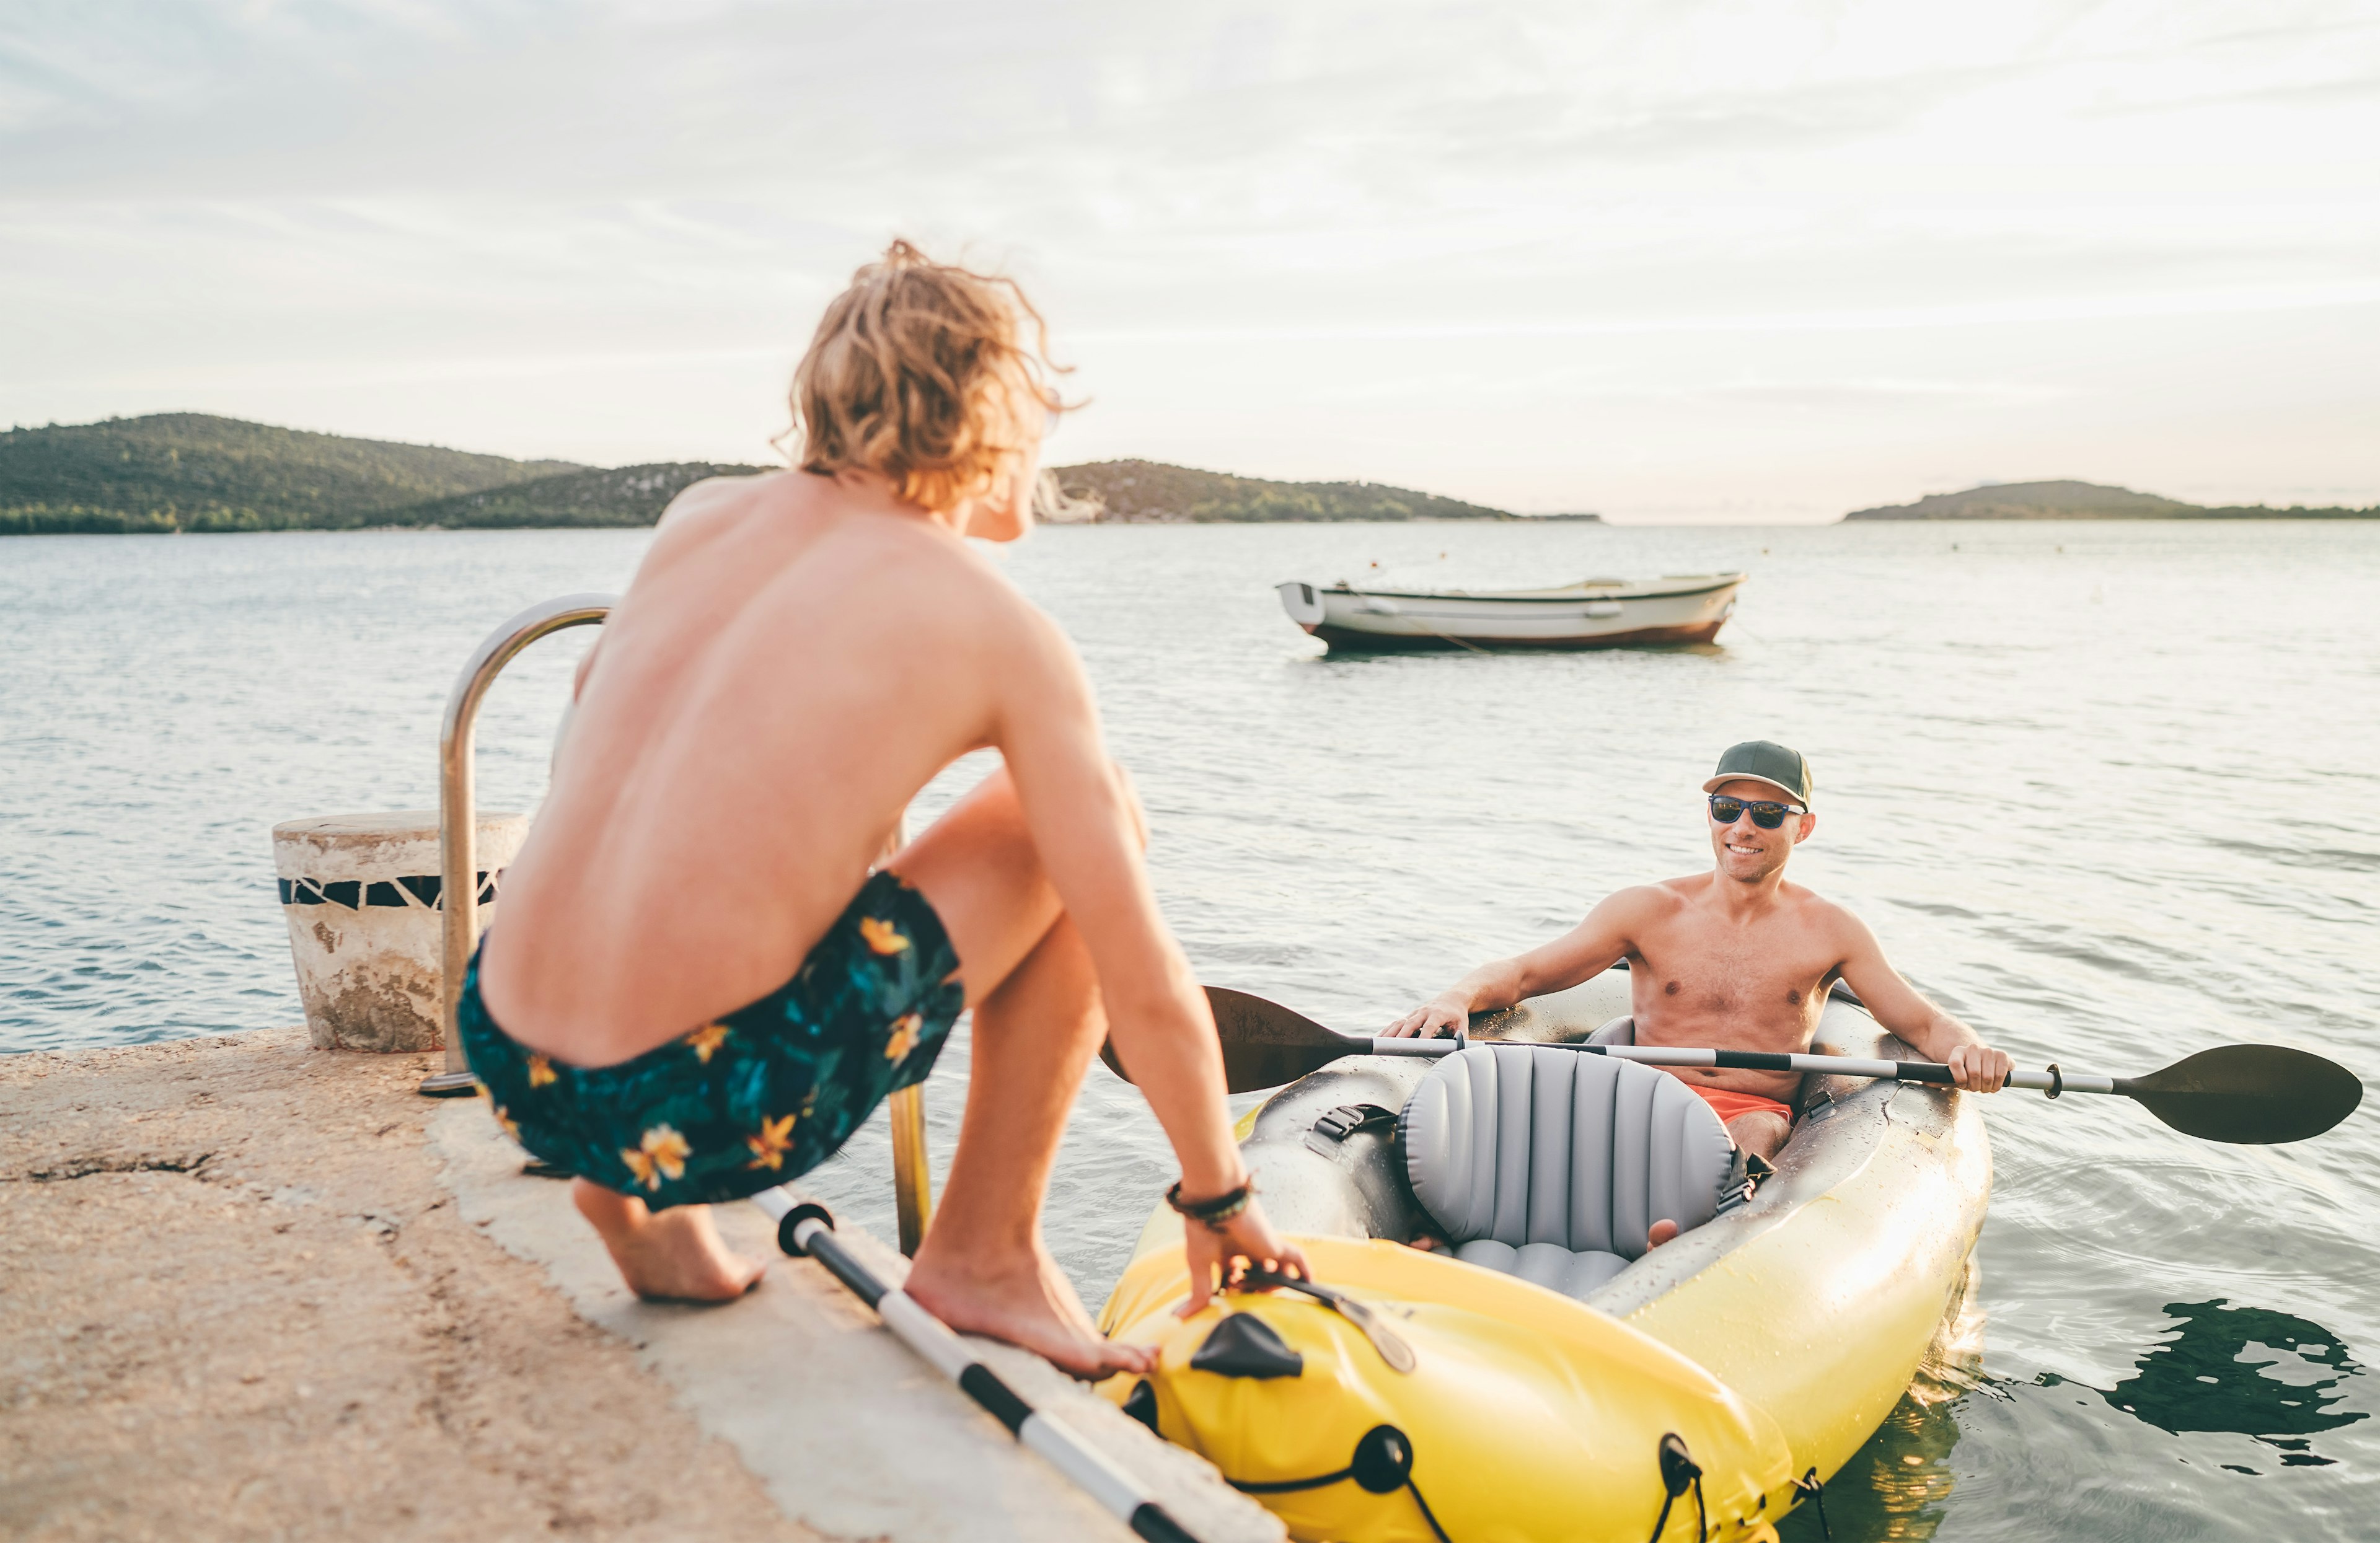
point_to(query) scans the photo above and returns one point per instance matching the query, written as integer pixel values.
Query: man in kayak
(1732, 959)
(703, 981)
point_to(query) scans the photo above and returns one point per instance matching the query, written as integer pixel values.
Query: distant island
(172, 473)
(2072, 500)
(192, 472)
(1150, 492)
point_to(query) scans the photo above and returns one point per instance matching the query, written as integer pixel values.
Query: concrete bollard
(361, 893)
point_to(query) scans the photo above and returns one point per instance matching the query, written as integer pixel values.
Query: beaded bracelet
(1212, 1214)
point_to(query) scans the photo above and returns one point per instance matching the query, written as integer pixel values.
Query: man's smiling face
(1746, 852)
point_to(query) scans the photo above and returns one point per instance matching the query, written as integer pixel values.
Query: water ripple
(2105, 839)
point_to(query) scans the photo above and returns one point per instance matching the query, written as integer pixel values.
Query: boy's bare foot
(1027, 1301)
(671, 1256)
(1661, 1232)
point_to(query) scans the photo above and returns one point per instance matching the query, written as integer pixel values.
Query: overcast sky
(1667, 261)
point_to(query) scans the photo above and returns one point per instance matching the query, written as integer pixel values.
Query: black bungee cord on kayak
(1244, 1345)
(1810, 1484)
(1382, 1463)
(1679, 1470)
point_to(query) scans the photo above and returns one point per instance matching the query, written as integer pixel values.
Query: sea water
(2111, 792)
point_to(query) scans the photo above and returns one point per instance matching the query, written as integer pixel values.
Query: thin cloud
(1532, 254)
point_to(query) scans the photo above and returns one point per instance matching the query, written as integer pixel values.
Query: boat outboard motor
(1551, 1165)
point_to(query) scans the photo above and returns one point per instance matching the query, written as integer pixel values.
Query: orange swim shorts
(1728, 1104)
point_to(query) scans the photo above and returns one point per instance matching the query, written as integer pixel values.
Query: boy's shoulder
(913, 576)
(704, 502)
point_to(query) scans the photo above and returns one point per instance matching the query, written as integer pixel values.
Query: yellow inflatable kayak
(1542, 1377)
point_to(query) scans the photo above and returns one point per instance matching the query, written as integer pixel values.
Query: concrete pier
(256, 1290)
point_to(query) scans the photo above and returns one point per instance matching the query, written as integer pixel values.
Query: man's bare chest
(1750, 982)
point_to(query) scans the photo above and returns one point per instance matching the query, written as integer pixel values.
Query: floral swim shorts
(764, 1093)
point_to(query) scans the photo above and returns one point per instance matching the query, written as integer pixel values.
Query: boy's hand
(1441, 1017)
(1222, 1257)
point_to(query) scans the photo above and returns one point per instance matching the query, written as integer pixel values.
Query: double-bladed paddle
(2249, 1095)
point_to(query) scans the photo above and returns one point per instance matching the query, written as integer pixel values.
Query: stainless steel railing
(459, 888)
(458, 825)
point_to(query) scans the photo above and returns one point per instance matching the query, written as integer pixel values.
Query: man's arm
(1588, 949)
(1903, 1009)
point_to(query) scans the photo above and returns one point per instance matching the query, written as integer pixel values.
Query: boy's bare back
(797, 656)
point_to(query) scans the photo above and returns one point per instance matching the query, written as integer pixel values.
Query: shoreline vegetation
(2072, 500)
(174, 472)
(1150, 492)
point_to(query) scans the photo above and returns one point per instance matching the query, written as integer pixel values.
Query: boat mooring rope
(1441, 637)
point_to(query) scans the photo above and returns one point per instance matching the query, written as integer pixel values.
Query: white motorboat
(1590, 613)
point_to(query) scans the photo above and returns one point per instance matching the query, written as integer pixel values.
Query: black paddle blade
(1265, 1044)
(2249, 1095)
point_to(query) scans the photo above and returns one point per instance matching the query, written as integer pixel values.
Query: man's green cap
(1765, 761)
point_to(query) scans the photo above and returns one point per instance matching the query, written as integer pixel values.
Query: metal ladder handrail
(459, 888)
(458, 828)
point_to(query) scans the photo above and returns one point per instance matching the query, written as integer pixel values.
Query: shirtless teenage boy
(699, 987)
(1732, 959)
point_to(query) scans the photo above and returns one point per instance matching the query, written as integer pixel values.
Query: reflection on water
(1896, 1486)
(1990, 709)
(2245, 1370)
(2217, 1368)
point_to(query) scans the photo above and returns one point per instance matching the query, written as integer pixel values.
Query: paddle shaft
(2249, 1095)
(809, 1230)
(2053, 1081)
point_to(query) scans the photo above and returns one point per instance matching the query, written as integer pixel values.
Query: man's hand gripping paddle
(2249, 1095)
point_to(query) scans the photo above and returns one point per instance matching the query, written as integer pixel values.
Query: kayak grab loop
(1394, 1350)
(1679, 1470)
(1810, 1485)
(2056, 1080)
(1382, 1465)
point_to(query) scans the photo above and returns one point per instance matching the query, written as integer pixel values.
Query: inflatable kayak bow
(1544, 1375)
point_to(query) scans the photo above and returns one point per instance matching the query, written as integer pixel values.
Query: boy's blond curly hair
(920, 372)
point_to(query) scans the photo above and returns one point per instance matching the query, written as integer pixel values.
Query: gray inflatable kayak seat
(1552, 1165)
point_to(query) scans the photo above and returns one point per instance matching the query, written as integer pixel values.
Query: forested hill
(1153, 493)
(2072, 500)
(623, 495)
(191, 471)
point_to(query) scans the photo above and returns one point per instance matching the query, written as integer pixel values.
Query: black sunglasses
(1765, 815)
